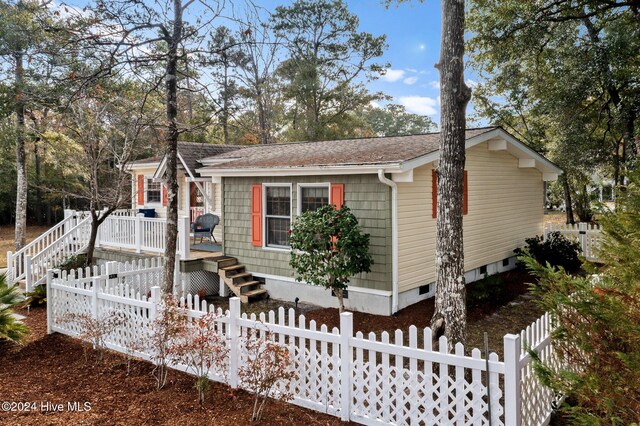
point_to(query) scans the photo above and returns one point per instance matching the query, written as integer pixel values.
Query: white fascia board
(160, 170)
(301, 171)
(136, 166)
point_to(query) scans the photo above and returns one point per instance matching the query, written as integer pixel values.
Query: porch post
(138, 232)
(184, 223)
(187, 202)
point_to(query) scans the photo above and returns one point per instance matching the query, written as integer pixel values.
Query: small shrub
(267, 370)
(556, 250)
(11, 328)
(73, 262)
(168, 325)
(491, 288)
(37, 297)
(94, 331)
(201, 347)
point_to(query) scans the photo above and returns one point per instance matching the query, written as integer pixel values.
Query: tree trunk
(21, 160)
(38, 206)
(567, 199)
(95, 224)
(340, 295)
(171, 176)
(450, 313)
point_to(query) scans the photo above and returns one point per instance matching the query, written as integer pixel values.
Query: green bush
(73, 262)
(37, 297)
(488, 289)
(556, 251)
(11, 328)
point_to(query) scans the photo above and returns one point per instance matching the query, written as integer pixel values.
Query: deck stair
(240, 282)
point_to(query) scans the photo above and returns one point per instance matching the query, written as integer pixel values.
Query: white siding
(505, 207)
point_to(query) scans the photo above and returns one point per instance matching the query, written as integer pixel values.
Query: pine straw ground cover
(53, 368)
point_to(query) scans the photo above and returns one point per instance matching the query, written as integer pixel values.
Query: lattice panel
(63, 303)
(400, 396)
(204, 280)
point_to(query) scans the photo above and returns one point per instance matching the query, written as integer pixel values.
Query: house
(389, 184)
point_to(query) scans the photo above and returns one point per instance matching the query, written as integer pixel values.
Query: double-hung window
(153, 192)
(277, 215)
(312, 197)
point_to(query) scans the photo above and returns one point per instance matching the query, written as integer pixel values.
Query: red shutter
(465, 195)
(140, 190)
(337, 194)
(164, 195)
(434, 193)
(256, 215)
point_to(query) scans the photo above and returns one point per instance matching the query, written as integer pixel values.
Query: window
(278, 215)
(153, 192)
(313, 197)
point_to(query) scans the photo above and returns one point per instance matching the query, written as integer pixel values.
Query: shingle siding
(364, 195)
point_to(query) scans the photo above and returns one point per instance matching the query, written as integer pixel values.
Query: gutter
(394, 239)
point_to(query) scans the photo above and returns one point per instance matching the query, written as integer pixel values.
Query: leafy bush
(488, 289)
(556, 250)
(37, 297)
(73, 262)
(94, 331)
(11, 328)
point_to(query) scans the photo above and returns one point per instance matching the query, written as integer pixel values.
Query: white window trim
(264, 214)
(310, 185)
(146, 202)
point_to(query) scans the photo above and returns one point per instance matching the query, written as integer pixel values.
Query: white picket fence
(588, 235)
(369, 379)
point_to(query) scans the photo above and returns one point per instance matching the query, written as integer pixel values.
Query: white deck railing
(142, 234)
(588, 235)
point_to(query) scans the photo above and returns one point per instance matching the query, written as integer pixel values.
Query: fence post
(10, 266)
(27, 272)
(234, 337)
(512, 381)
(155, 301)
(138, 232)
(346, 333)
(111, 269)
(50, 302)
(582, 234)
(68, 213)
(94, 297)
(547, 227)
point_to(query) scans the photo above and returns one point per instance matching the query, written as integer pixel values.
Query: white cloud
(435, 84)
(392, 75)
(413, 70)
(410, 80)
(374, 104)
(472, 83)
(421, 105)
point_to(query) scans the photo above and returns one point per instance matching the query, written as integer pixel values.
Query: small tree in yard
(328, 247)
(168, 325)
(597, 323)
(201, 347)
(268, 367)
(94, 331)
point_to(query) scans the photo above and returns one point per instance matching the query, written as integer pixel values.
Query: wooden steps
(239, 281)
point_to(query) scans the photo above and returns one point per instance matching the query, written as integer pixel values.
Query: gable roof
(189, 154)
(395, 154)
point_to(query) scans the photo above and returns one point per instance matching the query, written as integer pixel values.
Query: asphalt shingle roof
(192, 152)
(346, 152)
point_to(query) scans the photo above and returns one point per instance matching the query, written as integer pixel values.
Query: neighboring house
(196, 195)
(389, 185)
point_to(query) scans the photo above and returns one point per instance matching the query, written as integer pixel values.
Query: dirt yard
(7, 238)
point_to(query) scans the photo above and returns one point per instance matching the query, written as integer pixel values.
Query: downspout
(394, 239)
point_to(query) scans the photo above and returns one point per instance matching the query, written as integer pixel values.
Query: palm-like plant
(11, 328)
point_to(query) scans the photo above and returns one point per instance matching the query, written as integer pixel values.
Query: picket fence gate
(370, 379)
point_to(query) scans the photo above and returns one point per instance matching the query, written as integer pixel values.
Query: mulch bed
(52, 368)
(419, 314)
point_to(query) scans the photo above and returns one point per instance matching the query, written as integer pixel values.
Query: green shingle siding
(364, 194)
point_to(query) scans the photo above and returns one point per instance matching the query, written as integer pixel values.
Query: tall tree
(329, 61)
(563, 76)
(450, 312)
(149, 40)
(394, 120)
